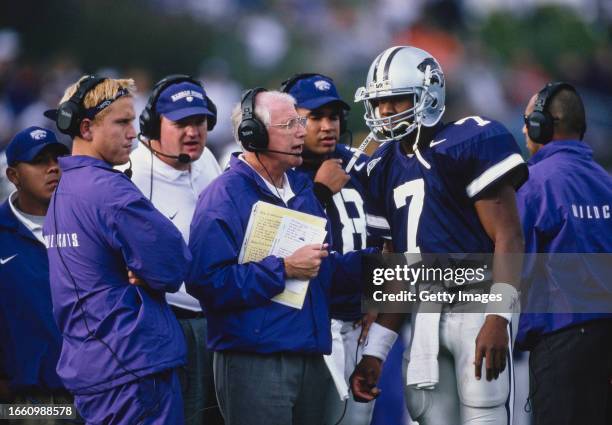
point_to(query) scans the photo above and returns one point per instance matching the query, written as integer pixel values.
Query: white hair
(263, 101)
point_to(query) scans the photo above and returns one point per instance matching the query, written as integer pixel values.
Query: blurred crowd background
(495, 53)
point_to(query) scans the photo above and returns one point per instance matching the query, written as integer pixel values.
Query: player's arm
(380, 338)
(152, 247)
(498, 215)
(329, 180)
(219, 281)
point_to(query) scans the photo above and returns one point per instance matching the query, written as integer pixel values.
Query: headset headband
(540, 123)
(291, 81)
(149, 119)
(252, 133)
(85, 86)
(247, 103)
(69, 114)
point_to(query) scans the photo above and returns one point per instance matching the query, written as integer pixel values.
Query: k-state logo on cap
(322, 85)
(38, 134)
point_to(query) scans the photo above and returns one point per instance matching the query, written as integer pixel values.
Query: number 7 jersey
(425, 202)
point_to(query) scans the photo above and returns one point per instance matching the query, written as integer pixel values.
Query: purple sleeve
(216, 278)
(151, 245)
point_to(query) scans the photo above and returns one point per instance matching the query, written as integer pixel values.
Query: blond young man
(112, 257)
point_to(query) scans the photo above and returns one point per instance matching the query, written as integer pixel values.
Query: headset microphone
(183, 158)
(281, 152)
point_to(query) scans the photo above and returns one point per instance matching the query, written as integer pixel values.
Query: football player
(441, 188)
(324, 161)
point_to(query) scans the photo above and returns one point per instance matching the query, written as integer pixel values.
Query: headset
(291, 81)
(150, 121)
(540, 123)
(252, 133)
(70, 113)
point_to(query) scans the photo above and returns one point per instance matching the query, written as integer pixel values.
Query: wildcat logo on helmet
(322, 85)
(187, 95)
(38, 134)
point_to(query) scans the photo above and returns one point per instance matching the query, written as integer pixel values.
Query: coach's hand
(304, 263)
(332, 175)
(364, 378)
(492, 343)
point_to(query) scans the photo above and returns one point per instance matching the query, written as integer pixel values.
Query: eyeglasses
(292, 123)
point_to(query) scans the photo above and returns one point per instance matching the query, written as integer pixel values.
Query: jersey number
(354, 228)
(415, 189)
(479, 120)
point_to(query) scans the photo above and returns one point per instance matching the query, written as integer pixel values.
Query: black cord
(349, 388)
(151, 174)
(350, 136)
(271, 179)
(343, 411)
(216, 406)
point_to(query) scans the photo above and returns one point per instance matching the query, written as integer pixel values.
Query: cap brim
(29, 155)
(322, 101)
(180, 114)
(51, 114)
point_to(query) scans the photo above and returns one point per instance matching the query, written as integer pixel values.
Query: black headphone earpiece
(252, 133)
(71, 112)
(540, 123)
(286, 86)
(150, 121)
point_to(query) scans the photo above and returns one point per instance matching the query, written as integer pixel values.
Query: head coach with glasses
(268, 361)
(112, 258)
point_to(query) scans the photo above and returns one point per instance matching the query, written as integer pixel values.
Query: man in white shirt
(171, 167)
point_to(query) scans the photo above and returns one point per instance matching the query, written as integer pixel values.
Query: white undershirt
(175, 194)
(34, 223)
(285, 193)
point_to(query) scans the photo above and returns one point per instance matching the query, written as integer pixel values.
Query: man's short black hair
(568, 110)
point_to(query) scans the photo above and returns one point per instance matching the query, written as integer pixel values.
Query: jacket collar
(576, 147)
(10, 222)
(297, 181)
(77, 161)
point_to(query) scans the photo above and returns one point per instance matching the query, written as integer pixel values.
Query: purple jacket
(98, 226)
(565, 210)
(240, 314)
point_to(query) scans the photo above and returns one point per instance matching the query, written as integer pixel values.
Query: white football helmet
(399, 71)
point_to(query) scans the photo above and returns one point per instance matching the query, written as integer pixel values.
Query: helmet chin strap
(415, 148)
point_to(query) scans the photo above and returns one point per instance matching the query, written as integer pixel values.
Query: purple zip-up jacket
(565, 210)
(98, 226)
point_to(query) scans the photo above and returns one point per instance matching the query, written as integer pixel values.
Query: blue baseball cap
(183, 100)
(315, 91)
(29, 142)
